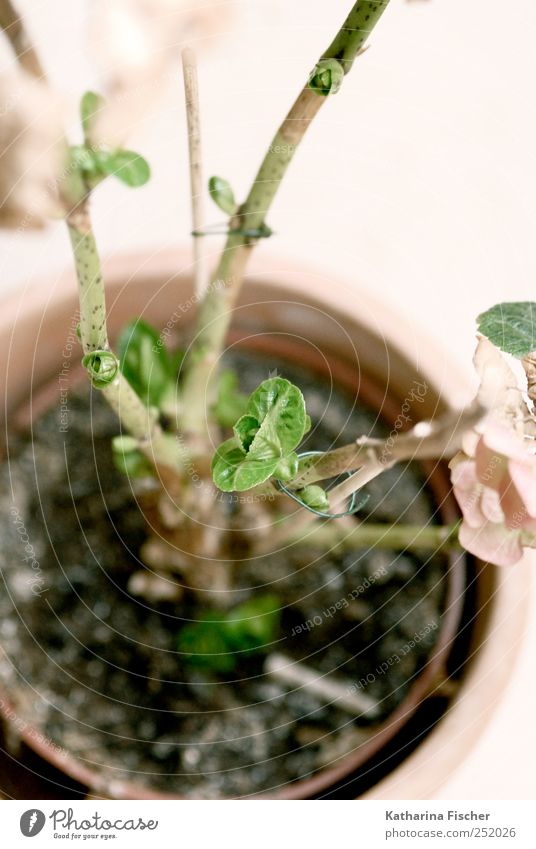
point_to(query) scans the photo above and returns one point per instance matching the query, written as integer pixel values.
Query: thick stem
(13, 27)
(216, 309)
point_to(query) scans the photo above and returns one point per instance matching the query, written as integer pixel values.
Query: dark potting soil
(97, 671)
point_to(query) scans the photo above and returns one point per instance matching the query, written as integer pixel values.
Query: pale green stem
(333, 535)
(331, 464)
(138, 420)
(436, 440)
(136, 417)
(216, 309)
(303, 518)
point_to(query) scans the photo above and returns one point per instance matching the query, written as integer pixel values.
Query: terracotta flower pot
(336, 333)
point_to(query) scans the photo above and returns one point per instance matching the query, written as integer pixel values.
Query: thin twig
(327, 688)
(335, 536)
(191, 92)
(17, 35)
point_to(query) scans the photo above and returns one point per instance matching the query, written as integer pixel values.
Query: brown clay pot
(303, 317)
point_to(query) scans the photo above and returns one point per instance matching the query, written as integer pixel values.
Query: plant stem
(427, 440)
(191, 92)
(216, 309)
(437, 440)
(330, 535)
(139, 420)
(354, 32)
(12, 25)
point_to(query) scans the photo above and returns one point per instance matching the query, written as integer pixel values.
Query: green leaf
(128, 167)
(205, 646)
(222, 195)
(231, 404)
(221, 640)
(511, 327)
(83, 159)
(90, 105)
(287, 468)
(279, 407)
(246, 430)
(273, 425)
(234, 471)
(314, 497)
(146, 363)
(253, 625)
(128, 459)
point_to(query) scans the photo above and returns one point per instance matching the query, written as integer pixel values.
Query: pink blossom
(496, 491)
(494, 478)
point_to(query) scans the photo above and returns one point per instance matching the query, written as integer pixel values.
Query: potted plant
(247, 589)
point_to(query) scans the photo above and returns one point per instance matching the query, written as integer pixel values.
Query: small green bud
(83, 160)
(326, 77)
(90, 105)
(79, 331)
(102, 367)
(125, 444)
(314, 497)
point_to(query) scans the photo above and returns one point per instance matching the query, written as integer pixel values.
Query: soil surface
(97, 671)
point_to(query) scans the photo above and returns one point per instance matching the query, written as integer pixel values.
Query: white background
(265, 824)
(418, 182)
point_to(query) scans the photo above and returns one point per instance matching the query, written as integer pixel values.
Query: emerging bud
(102, 367)
(287, 467)
(326, 77)
(314, 497)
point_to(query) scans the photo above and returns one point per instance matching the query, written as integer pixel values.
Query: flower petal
(468, 491)
(492, 543)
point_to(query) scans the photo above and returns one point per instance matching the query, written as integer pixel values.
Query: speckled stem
(216, 309)
(93, 332)
(137, 419)
(355, 31)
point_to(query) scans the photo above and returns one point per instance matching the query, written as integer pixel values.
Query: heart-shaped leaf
(234, 471)
(265, 439)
